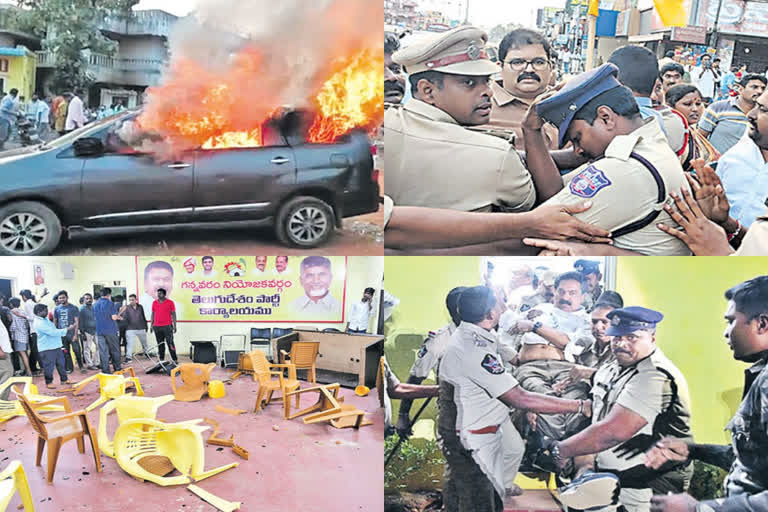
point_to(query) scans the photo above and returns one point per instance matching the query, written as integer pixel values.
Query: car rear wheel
(305, 222)
(28, 229)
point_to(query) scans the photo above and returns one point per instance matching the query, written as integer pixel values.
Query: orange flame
(352, 98)
(200, 108)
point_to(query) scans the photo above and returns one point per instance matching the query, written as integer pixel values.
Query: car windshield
(86, 130)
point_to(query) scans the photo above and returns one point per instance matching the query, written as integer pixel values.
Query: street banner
(246, 288)
(672, 12)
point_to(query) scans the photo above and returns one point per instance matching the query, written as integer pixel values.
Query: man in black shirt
(746, 485)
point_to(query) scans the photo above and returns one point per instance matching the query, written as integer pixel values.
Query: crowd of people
(637, 156)
(552, 373)
(50, 116)
(38, 337)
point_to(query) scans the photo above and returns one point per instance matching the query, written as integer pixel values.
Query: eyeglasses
(538, 64)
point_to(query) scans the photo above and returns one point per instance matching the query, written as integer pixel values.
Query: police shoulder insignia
(492, 365)
(422, 351)
(589, 182)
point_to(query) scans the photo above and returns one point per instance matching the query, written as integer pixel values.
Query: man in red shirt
(164, 324)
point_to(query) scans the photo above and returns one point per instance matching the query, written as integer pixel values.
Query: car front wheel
(28, 229)
(305, 222)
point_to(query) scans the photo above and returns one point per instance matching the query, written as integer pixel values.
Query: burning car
(113, 174)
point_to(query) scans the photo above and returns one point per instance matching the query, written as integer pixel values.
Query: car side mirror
(88, 146)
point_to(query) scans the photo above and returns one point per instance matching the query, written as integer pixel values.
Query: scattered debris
(219, 503)
(240, 451)
(226, 410)
(219, 441)
(275, 428)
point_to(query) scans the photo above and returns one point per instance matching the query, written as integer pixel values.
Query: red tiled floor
(298, 467)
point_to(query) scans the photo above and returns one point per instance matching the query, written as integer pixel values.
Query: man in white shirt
(208, 270)
(361, 313)
(6, 366)
(261, 266)
(75, 112)
(281, 266)
(704, 78)
(316, 277)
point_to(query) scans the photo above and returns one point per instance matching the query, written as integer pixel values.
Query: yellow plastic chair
(14, 479)
(127, 408)
(262, 372)
(150, 449)
(12, 408)
(329, 407)
(110, 386)
(303, 356)
(194, 381)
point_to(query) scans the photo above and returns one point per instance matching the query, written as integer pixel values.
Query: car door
(126, 187)
(241, 183)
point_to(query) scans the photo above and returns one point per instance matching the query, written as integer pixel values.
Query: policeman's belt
(491, 429)
(641, 223)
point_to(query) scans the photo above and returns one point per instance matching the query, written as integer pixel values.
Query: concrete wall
(362, 272)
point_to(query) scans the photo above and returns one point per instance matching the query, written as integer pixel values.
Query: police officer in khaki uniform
(590, 269)
(483, 448)
(632, 169)
(428, 357)
(432, 159)
(638, 399)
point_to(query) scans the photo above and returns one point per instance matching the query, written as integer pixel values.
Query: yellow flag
(671, 12)
(594, 5)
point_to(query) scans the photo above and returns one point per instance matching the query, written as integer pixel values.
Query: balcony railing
(98, 60)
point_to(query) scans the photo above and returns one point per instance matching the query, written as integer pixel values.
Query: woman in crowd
(686, 99)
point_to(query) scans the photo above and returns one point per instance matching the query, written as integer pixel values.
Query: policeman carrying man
(632, 169)
(637, 400)
(432, 159)
(484, 450)
(428, 357)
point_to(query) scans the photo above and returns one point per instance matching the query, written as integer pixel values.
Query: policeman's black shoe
(591, 491)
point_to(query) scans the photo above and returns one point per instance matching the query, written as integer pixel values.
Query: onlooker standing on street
(75, 113)
(6, 318)
(136, 326)
(60, 113)
(64, 315)
(88, 333)
(42, 118)
(361, 313)
(565, 58)
(704, 78)
(724, 122)
(8, 109)
(6, 367)
(718, 76)
(728, 83)
(164, 324)
(49, 343)
(20, 334)
(106, 314)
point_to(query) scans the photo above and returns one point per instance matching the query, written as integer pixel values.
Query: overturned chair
(111, 386)
(194, 381)
(127, 408)
(14, 479)
(329, 407)
(12, 408)
(149, 449)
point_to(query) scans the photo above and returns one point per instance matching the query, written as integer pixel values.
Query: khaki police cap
(460, 51)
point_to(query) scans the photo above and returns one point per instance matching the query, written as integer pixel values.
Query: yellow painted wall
(362, 271)
(21, 74)
(689, 291)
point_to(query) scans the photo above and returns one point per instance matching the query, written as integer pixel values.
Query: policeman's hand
(666, 449)
(531, 417)
(522, 326)
(575, 375)
(709, 193)
(587, 408)
(555, 221)
(560, 247)
(702, 236)
(673, 503)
